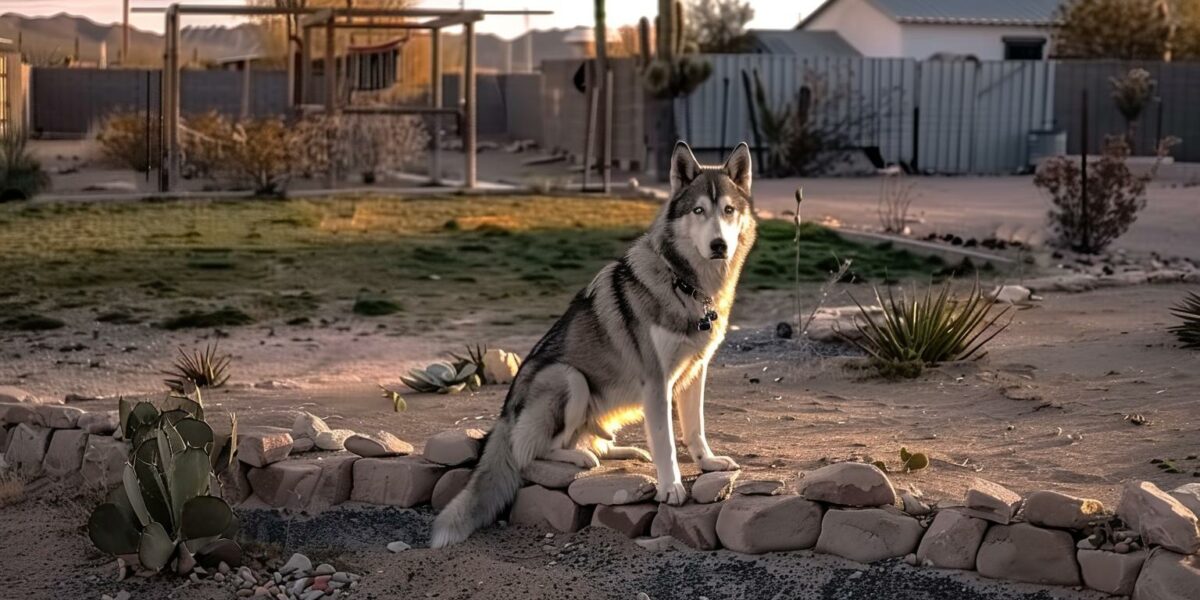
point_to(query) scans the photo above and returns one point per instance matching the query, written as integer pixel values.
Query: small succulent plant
(1188, 332)
(443, 378)
(164, 511)
(201, 369)
(910, 461)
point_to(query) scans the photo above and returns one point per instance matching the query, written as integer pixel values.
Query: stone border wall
(1148, 549)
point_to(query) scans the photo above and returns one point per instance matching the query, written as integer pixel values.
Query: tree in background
(719, 26)
(1129, 29)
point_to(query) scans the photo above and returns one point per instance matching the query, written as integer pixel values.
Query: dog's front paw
(718, 463)
(672, 493)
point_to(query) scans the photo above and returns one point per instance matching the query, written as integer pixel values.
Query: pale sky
(769, 14)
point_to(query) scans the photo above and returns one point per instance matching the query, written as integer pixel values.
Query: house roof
(1037, 13)
(803, 43)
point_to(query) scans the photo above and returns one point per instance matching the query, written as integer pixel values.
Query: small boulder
(758, 487)
(1188, 495)
(311, 484)
(612, 489)
(104, 461)
(1159, 518)
(403, 481)
(692, 524)
(537, 506)
(632, 520)
(58, 416)
(301, 445)
(27, 449)
(1168, 575)
(868, 535)
(448, 486)
(758, 524)
(848, 484)
(333, 440)
(913, 505)
(1011, 294)
(65, 455)
(308, 426)
(952, 541)
(1110, 572)
(992, 501)
(298, 563)
(13, 394)
(259, 448)
(552, 473)
(455, 448)
(714, 487)
(1023, 552)
(100, 423)
(377, 445)
(14, 413)
(1054, 509)
(499, 366)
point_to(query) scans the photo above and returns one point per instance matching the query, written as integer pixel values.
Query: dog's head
(711, 206)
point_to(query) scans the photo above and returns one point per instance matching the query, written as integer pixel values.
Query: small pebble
(325, 569)
(398, 546)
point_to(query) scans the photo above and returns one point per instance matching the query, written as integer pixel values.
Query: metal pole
(1083, 187)
(724, 115)
(149, 146)
(469, 179)
(305, 63)
(589, 131)
(125, 33)
(246, 88)
(291, 63)
(330, 99)
(435, 157)
(606, 154)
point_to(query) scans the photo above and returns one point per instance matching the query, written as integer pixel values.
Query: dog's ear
(737, 166)
(684, 167)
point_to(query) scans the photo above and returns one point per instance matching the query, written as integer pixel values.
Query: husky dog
(636, 340)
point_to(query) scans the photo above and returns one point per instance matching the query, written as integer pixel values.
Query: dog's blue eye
(698, 210)
(729, 209)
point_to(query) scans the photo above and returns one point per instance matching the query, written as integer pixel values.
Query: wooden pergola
(330, 20)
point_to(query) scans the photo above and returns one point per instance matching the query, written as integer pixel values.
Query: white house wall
(865, 27)
(983, 42)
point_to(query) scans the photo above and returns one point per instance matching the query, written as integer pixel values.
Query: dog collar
(709, 315)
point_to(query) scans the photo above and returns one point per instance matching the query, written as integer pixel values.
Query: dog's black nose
(719, 247)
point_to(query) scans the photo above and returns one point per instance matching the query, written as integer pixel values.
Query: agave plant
(927, 330)
(163, 511)
(201, 369)
(1188, 332)
(474, 357)
(443, 378)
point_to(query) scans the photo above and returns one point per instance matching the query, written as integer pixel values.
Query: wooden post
(435, 100)
(1085, 218)
(290, 32)
(125, 33)
(606, 139)
(246, 88)
(602, 78)
(305, 63)
(170, 101)
(469, 142)
(330, 98)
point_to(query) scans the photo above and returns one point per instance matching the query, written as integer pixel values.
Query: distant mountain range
(52, 40)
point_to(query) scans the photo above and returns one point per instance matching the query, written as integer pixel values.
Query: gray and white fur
(627, 347)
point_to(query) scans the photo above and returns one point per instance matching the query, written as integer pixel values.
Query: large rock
(333, 440)
(543, 508)
(308, 426)
(848, 484)
(1188, 495)
(233, 484)
(100, 422)
(27, 449)
(1110, 572)
(404, 481)
(633, 520)
(552, 473)
(455, 448)
(992, 501)
(499, 366)
(612, 489)
(58, 416)
(757, 524)
(714, 487)
(1168, 576)
(1159, 518)
(65, 455)
(1022, 552)
(378, 445)
(305, 484)
(952, 541)
(15, 413)
(758, 487)
(10, 394)
(1053, 509)
(259, 448)
(104, 461)
(448, 486)
(692, 524)
(868, 535)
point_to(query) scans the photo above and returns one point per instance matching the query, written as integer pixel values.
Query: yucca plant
(1188, 331)
(202, 369)
(927, 330)
(443, 378)
(163, 511)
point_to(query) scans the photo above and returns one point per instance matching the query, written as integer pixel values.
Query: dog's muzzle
(719, 249)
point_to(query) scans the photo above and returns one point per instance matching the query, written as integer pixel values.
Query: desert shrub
(204, 140)
(1188, 311)
(927, 329)
(895, 198)
(367, 144)
(1131, 93)
(21, 175)
(260, 153)
(1114, 196)
(124, 137)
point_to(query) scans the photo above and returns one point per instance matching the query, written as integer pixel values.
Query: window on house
(1024, 48)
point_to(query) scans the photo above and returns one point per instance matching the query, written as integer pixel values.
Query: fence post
(1083, 196)
(916, 145)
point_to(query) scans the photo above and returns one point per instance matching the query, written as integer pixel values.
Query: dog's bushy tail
(493, 485)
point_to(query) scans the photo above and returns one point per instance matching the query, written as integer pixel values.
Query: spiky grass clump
(927, 330)
(202, 369)
(1188, 331)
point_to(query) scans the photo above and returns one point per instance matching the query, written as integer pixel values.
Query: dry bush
(204, 138)
(123, 139)
(366, 144)
(895, 198)
(1115, 196)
